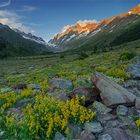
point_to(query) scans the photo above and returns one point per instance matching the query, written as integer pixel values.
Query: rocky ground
(115, 104)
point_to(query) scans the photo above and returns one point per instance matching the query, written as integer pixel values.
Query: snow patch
(37, 41)
(129, 12)
(96, 31)
(71, 37)
(113, 26)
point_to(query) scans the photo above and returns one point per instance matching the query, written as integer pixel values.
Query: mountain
(29, 36)
(109, 32)
(16, 43)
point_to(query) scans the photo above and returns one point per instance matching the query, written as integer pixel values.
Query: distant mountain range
(107, 33)
(86, 36)
(16, 43)
(29, 36)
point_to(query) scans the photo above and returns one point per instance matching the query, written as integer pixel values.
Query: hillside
(107, 33)
(14, 44)
(36, 92)
(84, 84)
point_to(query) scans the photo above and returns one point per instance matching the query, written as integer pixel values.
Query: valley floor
(35, 92)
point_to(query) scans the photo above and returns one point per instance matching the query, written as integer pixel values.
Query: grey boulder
(61, 84)
(112, 94)
(94, 127)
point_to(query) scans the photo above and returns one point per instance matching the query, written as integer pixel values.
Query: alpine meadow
(69, 70)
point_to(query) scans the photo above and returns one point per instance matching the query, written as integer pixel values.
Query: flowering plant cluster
(137, 121)
(49, 115)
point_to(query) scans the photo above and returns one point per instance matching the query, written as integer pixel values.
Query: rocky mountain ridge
(69, 37)
(30, 36)
(16, 43)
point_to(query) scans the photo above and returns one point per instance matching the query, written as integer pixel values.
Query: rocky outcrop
(5, 90)
(101, 108)
(117, 134)
(111, 93)
(59, 136)
(134, 70)
(95, 127)
(105, 137)
(20, 86)
(122, 110)
(88, 93)
(61, 84)
(137, 105)
(87, 135)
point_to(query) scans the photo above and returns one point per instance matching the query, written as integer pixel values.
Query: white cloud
(27, 8)
(9, 14)
(4, 3)
(13, 20)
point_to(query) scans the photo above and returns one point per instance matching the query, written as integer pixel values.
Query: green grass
(38, 70)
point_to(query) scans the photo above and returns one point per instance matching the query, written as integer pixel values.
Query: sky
(45, 18)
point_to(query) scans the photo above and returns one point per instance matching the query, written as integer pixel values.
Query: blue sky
(47, 17)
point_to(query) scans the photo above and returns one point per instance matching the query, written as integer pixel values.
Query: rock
(112, 123)
(5, 90)
(111, 93)
(74, 130)
(20, 86)
(20, 75)
(31, 68)
(117, 134)
(133, 86)
(63, 97)
(15, 111)
(24, 102)
(35, 86)
(36, 91)
(94, 127)
(59, 136)
(135, 91)
(105, 137)
(132, 83)
(101, 108)
(134, 135)
(134, 69)
(88, 93)
(61, 84)
(126, 122)
(136, 138)
(87, 135)
(1, 133)
(132, 112)
(122, 110)
(137, 104)
(104, 118)
(58, 93)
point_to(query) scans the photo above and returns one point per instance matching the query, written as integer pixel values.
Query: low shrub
(127, 56)
(62, 56)
(83, 55)
(117, 71)
(47, 116)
